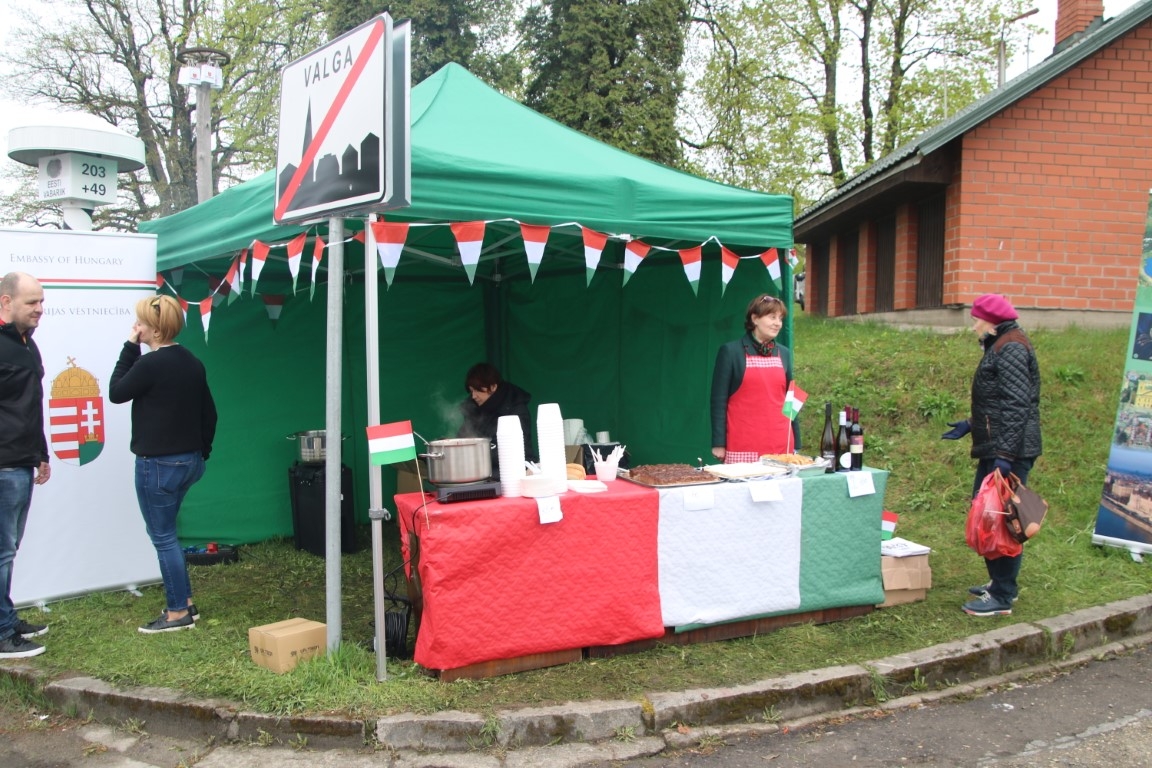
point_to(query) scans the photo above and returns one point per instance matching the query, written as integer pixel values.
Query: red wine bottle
(842, 455)
(828, 440)
(856, 441)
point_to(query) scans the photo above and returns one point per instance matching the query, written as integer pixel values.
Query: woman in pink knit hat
(1005, 428)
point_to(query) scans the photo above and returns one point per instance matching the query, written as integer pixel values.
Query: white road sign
(335, 138)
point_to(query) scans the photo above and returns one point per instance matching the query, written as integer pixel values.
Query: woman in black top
(489, 398)
(173, 425)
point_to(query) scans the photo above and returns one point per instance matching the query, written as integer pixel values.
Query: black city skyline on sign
(355, 174)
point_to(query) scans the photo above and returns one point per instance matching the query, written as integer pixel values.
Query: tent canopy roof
(478, 155)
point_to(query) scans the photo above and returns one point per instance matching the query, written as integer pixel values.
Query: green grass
(907, 384)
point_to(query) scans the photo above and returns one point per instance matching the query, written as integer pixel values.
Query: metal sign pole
(333, 380)
(376, 511)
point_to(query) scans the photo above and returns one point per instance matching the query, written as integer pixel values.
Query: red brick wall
(1050, 201)
(907, 235)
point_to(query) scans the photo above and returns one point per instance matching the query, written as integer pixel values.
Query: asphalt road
(1098, 714)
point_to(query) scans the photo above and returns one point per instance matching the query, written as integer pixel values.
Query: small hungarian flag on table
(888, 524)
(391, 443)
(794, 400)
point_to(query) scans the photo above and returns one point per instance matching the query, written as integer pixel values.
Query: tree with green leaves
(801, 96)
(611, 70)
(119, 60)
(471, 33)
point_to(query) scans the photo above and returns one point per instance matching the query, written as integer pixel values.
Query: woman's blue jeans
(1003, 571)
(15, 499)
(161, 484)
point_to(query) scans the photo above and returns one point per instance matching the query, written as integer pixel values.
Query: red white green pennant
(728, 263)
(390, 238)
(594, 243)
(469, 240)
(295, 251)
(634, 253)
(690, 257)
(535, 238)
(317, 257)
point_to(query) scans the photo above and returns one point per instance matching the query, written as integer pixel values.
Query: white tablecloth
(739, 558)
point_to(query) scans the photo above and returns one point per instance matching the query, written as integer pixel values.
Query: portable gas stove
(447, 493)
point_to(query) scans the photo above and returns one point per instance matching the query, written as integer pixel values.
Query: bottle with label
(856, 441)
(828, 439)
(843, 457)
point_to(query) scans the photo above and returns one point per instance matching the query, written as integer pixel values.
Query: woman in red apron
(748, 387)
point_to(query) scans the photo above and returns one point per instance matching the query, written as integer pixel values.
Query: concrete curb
(579, 732)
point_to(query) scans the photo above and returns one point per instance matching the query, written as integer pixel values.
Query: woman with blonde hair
(173, 425)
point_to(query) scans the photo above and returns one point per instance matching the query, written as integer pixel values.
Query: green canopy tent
(631, 358)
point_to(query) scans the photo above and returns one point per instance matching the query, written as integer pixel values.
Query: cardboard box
(281, 646)
(407, 481)
(574, 454)
(906, 579)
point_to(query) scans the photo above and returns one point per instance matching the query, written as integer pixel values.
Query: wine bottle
(856, 441)
(828, 440)
(842, 454)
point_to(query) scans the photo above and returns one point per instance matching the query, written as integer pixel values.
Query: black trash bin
(306, 488)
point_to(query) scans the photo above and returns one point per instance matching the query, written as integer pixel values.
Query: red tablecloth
(499, 584)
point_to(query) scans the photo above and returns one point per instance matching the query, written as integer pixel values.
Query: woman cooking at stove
(749, 383)
(489, 398)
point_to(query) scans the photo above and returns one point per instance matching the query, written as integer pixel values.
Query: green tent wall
(633, 359)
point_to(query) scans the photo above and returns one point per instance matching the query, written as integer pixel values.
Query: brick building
(1039, 191)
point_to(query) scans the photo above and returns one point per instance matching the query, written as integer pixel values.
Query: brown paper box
(281, 646)
(906, 579)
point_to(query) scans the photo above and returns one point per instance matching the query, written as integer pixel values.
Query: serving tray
(623, 474)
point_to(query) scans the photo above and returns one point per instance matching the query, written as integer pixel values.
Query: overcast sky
(14, 114)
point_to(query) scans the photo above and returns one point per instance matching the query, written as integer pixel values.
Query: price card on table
(860, 484)
(765, 490)
(549, 509)
(698, 498)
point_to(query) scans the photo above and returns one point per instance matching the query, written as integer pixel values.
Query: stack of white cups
(510, 450)
(550, 441)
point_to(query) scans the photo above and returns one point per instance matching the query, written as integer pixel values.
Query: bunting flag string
(634, 253)
(183, 308)
(274, 304)
(391, 239)
(317, 256)
(594, 243)
(535, 238)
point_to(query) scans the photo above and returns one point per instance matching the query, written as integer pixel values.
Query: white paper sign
(765, 490)
(698, 498)
(549, 509)
(860, 484)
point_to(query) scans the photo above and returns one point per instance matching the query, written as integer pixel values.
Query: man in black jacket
(23, 447)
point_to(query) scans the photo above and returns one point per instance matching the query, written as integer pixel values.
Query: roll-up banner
(85, 533)
(1125, 515)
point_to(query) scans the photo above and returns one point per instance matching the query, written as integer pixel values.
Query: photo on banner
(1124, 518)
(84, 533)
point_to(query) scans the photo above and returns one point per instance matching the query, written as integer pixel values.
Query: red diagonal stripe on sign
(330, 118)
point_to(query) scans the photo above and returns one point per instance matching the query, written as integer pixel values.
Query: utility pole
(202, 68)
(1001, 53)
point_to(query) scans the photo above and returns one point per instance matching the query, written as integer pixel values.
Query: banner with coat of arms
(86, 515)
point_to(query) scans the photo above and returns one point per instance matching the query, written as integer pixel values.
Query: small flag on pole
(391, 443)
(794, 400)
(888, 524)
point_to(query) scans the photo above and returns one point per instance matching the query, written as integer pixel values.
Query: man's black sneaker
(162, 624)
(16, 647)
(29, 631)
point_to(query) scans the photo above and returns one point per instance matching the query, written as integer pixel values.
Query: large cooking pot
(311, 446)
(459, 460)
